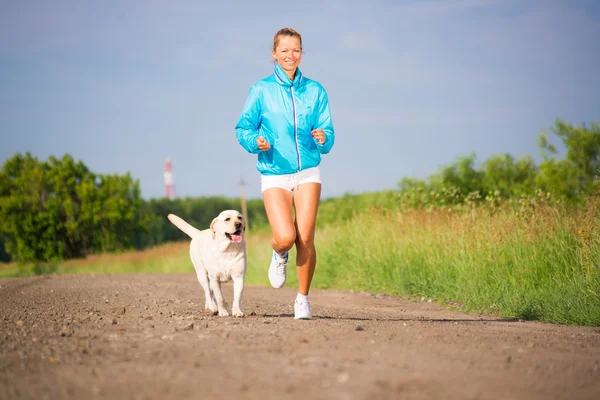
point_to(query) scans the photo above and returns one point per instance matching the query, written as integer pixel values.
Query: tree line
(570, 178)
(58, 209)
(569, 171)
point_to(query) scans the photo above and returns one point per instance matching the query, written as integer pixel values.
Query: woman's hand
(262, 144)
(319, 135)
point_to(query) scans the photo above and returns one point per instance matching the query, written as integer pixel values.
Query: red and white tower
(169, 185)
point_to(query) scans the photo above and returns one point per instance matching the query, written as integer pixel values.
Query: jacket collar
(283, 79)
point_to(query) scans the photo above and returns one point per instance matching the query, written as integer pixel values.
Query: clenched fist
(319, 135)
(263, 144)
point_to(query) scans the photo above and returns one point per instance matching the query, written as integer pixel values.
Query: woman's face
(288, 54)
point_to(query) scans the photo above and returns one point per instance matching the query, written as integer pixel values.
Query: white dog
(218, 255)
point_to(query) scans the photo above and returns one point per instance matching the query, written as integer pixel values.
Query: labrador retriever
(218, 255)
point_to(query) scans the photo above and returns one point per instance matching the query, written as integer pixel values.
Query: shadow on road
(325, 317)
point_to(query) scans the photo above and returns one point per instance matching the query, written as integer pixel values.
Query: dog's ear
(212, 227)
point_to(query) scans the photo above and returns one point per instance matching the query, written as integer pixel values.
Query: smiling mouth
(235, 237)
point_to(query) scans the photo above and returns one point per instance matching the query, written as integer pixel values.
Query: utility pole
(243, 199)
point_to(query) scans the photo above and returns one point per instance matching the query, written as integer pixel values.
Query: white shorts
(290, 181)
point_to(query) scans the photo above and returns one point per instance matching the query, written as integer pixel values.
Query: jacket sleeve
(246, 130)
(324, 122)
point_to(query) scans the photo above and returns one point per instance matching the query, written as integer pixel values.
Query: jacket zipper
(295, 127)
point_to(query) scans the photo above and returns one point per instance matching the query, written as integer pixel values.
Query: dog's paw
(238, 313)
(223, 313)
(211, 310)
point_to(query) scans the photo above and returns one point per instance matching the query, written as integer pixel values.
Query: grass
(538, 263)
(168, 258)
(538, 267)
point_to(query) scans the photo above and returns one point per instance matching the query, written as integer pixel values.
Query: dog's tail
(184, 226)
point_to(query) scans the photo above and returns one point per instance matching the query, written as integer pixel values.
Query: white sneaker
(302, 310)
(277, 270)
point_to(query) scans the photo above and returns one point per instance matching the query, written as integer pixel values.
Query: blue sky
(122, 85)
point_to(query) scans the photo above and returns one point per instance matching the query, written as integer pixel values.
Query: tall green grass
(528, 260)
(543, 267)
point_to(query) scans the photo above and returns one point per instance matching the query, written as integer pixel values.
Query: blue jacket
(285, 113)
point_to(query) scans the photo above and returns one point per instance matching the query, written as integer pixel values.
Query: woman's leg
(306, 204)
(278, 205)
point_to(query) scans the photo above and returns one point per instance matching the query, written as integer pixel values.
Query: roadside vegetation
(536, 259)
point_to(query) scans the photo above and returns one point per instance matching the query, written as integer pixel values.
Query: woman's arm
(324, 123)
(246, 130)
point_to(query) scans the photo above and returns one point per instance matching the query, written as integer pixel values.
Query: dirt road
(147, 337)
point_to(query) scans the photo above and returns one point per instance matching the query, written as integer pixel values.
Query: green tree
(507, 176)
(407, 184)
(110, 212)
(4, 256)
(58, 209)
(573, 176)
(461, 175)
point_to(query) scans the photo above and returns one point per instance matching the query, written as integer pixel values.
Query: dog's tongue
(236, 238)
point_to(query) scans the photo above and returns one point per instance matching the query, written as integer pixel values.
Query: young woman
(287, 122)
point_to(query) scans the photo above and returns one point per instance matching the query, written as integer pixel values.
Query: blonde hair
(286, 32)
